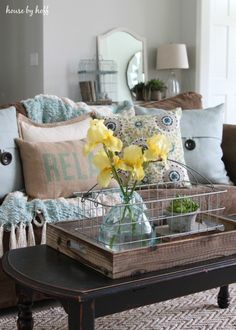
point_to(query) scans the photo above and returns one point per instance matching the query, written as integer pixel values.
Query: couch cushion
(18, 106)
(141, 111)
(11, 178)
(136, 130)
(56, 169)
(228, 199)
(202, 136)
(74, 129)
(188, 100)
(228, 147)
(124, 108)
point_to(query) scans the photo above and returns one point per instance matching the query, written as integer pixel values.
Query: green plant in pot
(182, 213)
(139, 91)
(155, 87)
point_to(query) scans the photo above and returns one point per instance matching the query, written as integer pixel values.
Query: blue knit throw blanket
(18, 213)
(16, 208)
(51, 108)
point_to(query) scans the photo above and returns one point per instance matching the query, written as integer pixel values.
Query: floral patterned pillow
(136, 130)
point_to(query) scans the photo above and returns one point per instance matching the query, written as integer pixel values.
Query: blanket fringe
(21, 236)
(43, 239)
(31, 237)
(12, 242)
(1, 241)
(39, 221)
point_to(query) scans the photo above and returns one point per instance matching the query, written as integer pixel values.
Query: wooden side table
(86, 294)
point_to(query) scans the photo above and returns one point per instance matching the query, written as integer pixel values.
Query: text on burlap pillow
(56, 169)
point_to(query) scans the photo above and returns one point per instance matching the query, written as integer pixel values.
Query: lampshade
(172, 56)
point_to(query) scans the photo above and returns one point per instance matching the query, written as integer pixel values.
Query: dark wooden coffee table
(85, 294)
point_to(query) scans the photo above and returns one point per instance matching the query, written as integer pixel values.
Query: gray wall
(71, 28)
(188, 35)
(68, 34)
(22, 35)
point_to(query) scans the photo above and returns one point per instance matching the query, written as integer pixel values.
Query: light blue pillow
(11, 178)
(124, 108)
(140, 111)
(201, 132)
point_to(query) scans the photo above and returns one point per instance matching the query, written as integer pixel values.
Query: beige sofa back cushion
(187, 100)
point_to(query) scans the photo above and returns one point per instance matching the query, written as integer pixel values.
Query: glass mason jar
(126, 226)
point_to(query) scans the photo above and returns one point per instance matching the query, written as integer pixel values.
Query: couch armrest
(229, 150)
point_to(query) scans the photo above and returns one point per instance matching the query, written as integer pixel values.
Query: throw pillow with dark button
(11, 178)
(201, 137)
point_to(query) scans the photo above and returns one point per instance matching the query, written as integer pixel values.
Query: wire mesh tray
(205, 227)
(154, 199)
(212, 235)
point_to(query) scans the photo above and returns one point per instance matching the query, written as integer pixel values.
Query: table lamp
(172, 56)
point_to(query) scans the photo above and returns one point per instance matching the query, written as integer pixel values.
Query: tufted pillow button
(190, 144)
(5, 158)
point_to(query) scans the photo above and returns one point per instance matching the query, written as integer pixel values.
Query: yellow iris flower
(158, 148)
(104, 164)
(99, 133)
(133, 161)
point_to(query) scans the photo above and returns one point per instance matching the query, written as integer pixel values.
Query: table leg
(223, 297)
(25, 320)
(81, 315)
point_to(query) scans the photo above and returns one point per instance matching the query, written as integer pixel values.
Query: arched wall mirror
(128, 51)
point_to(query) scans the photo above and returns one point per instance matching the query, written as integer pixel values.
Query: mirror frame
(100, 37)
(128, 65)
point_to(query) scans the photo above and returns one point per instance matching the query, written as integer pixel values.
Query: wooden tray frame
(115, 265)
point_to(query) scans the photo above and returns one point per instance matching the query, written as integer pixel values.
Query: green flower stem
(114, 172)
(133, 222)
(122, 218)
(132, 190)
(112, 240)
(127, 196)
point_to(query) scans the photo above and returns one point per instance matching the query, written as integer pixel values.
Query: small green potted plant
(182, 213)
(139, 91)
(155, 88)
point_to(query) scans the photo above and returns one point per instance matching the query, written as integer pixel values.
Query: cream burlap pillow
(56, 169)
(73, 129)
